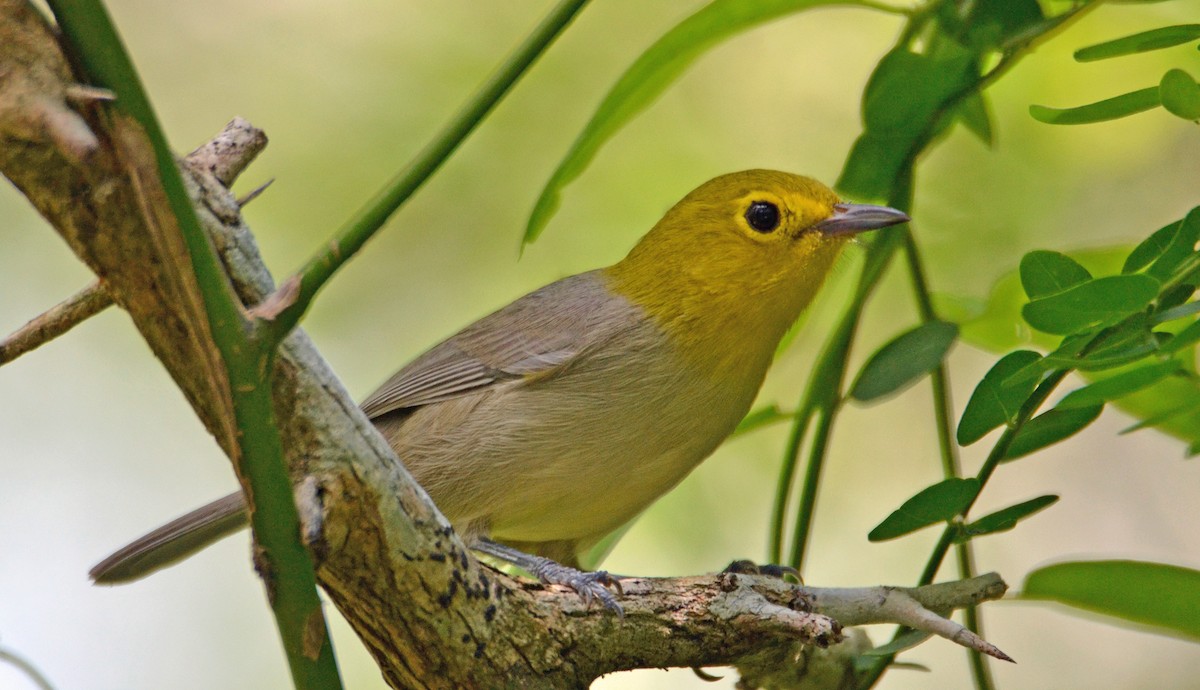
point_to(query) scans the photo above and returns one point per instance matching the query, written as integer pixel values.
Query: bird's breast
(575, 455)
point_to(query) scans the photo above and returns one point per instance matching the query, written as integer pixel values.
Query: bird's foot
(589, 585)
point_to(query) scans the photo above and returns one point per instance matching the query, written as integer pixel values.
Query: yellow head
(743, 254)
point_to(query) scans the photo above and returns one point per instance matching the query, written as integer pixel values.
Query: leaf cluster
(1177, 91)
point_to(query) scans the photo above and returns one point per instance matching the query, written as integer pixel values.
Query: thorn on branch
(253, 194)
(36, 85)
(84, 94)
(57, 320)
(916, 607)
(283, 297)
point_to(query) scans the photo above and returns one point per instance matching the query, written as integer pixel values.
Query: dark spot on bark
(727, 582)
(445, 598)
(801, 602)
(479, 650)
(439, 557)
(489, 613)
(466, 638)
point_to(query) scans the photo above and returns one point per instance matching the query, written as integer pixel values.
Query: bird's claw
(588, 585)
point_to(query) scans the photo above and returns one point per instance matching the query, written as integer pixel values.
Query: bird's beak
(851, 219)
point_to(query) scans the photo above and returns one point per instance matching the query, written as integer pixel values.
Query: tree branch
(59, 319)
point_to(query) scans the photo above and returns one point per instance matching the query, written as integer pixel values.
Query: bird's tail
(173, 542)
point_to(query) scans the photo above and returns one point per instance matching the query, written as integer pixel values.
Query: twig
(59, 319)
(915, 607)
(228, 153)
(38, 678)
(364, 224)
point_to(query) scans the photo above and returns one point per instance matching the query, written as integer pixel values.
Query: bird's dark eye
(763, 216)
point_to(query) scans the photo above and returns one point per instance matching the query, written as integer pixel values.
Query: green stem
(948, 450)
(808, 492)
(1012, 55)
(884, 7)
(823, 396)
(371, 217)
(35, 676)
(981, 671)
(1031, 405)
(932, 565)
(1182, 272)
(255, 446)
(787, 474)
(942, 408)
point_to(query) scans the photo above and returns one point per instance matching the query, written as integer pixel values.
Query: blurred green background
(96, 445)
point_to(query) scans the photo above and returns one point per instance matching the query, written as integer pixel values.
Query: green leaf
(1094, 304)
(872, 166)
(1118, 355)
(1049, 428)
(903, 360)
(1045, 273)
(1118, 386)
(931, 505)
(907, 640)
(757, 419)
(1151, 248)
(1154, 39)
(1119, 345)
(997, 327)
(1162, 596)
(902, 104)
(1189, 336)
(906, 88)
(995, 324)
(1180, 94)
(1166, 415)
(647, 78)
(992, 24)
(1173, 304)
(1182, 246)
(1005, 519)
(976, 116)
(995, 401)
(1108, 109)
(1130, 338)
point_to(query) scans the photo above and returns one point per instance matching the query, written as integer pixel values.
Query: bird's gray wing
(535, 336)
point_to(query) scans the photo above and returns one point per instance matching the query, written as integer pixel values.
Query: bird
(550, 423)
